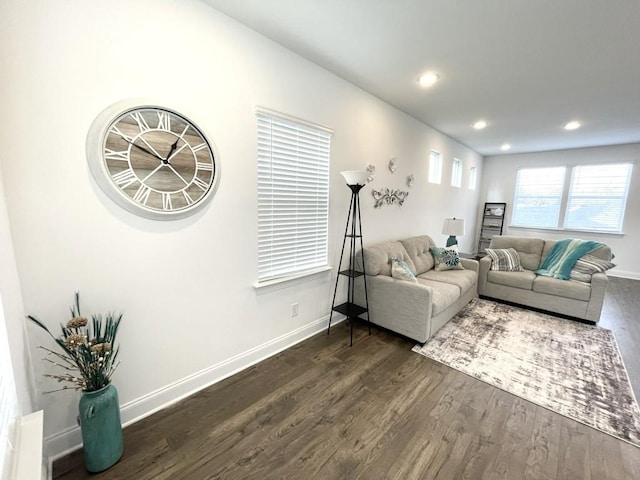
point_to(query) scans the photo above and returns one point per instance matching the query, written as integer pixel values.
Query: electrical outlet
(294, 309)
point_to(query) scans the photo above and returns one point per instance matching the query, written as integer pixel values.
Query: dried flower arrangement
(88, 350)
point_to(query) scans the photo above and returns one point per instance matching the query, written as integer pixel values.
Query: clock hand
(173, 147)
(148, 152)
(169, 158)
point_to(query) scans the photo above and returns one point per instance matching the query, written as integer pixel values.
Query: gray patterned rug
(568, 367)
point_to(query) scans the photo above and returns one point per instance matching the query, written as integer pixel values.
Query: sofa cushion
(587, 265)
(529, 249)
(463, 279)
(418, 250)
(504, 259)
(562, 288)
(401, 271)
(378, 258)
(523, 280)
(548, 246)
(444, 294)
(446, 258)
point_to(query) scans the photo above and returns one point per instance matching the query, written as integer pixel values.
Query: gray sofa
(566, 297)
(415, 310)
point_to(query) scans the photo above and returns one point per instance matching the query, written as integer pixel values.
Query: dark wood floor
(374, 411)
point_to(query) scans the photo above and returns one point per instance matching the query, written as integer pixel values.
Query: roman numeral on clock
(142, 195)
(199, 147)
(142, 123)
(205, 166)
(113, 155)
(125, 178)
(187, 197)
(119, 132)
(164, 121)
(166, 201)
(200, 183)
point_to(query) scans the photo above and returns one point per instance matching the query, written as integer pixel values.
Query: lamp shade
(355, 177)
(453, 226)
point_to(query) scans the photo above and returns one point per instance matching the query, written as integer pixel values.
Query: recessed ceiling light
(428, 79)
(480, 124)
(573, 125)
(505, 147)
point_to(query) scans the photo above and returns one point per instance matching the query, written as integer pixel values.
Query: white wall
(498, 185)
(192, 315)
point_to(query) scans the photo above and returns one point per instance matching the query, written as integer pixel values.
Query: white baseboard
(68, 440)
(624, 274)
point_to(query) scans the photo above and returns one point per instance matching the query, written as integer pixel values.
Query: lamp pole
(353, 231)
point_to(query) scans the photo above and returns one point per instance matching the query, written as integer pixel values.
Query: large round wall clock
(152, 161)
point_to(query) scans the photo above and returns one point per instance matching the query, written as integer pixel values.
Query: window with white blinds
(293, 196)
(597, 197)
(456, 173)
(435, 167)
(586, 197)
(538, 197)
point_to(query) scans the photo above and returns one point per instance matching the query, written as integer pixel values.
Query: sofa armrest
(401, 306)
(484, 267)
(470, 264)
(599, 282)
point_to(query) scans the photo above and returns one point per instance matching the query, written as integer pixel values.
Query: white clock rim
(128, 111)
(95, 149)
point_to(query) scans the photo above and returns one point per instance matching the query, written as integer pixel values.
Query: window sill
(568, 230)
(290, 278)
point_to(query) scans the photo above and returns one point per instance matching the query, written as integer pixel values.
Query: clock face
(156, 162)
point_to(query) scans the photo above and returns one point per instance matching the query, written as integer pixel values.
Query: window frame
(473, 177)
(435, 167)
(565, 199)
(456, 173)
(622, 198)
(292, 198)
(558, 197)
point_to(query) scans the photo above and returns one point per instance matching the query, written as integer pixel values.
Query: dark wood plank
(510, 459)
(573, 453)
(605, 456)
(374, 411)
(542, 462)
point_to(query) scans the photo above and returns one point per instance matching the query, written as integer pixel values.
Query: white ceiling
(525, 66)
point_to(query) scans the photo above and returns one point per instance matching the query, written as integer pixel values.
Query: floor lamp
(353, 231)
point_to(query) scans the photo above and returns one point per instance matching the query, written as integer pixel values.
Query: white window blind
(435, 167)
(473, 177)
(538, 197)
(456, 173)
(597, 197)
(293, 196)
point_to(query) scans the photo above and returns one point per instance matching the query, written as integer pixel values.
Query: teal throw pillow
(446, 258)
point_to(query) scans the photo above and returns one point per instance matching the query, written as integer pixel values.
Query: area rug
(568, 367)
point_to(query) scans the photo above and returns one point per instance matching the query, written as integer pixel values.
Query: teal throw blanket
(563, 257)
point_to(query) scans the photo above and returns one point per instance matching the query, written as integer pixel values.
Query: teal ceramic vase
(101, 428)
